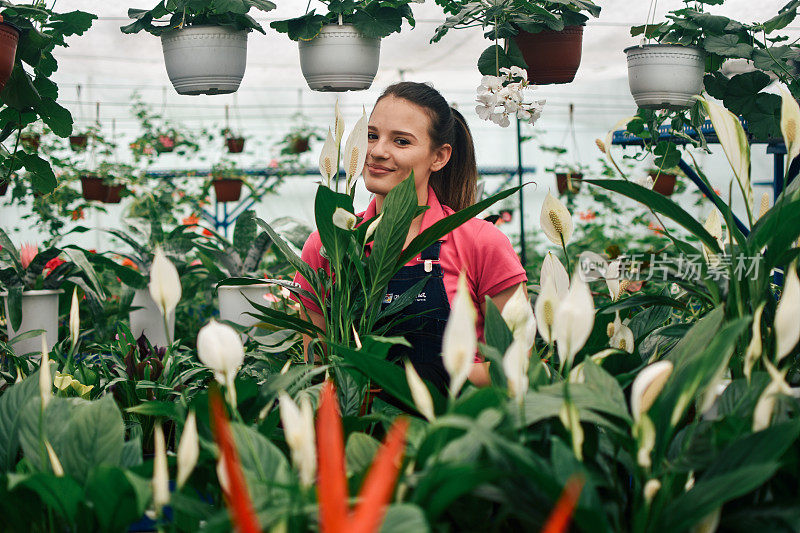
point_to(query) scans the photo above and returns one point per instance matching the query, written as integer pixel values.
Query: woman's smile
(378, 170)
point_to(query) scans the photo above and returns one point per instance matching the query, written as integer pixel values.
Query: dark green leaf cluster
(229, 13)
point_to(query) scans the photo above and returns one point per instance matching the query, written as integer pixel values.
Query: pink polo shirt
(476, 246)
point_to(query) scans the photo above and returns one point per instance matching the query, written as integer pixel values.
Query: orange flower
(559, 518)
(587, 215)
(77, 214)
(191, 220)
(332, 487)
(207, 232)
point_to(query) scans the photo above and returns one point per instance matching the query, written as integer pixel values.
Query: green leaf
(77, 256)
(42, 177)
(404, 518)
(727, 45)
(62, 494)
(260, 457)
(127, 275)
(359, 451)
(287, 251)
(58, 118)
(12, 402)
(376, 21)
(19, 91)
(302, 28)
(169, 410)
(492, 60)
(113, 498)
(244, 233)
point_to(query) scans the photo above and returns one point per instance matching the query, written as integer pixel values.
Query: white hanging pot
(234, 304)
(205, 59)
(665, 76)
(39, 311)
(148, 319)
(339, 59)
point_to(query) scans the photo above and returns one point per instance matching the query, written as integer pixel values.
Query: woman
(413, 128)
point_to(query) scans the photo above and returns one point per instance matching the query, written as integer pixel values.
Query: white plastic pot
(233, 303)
(39, 311)
(148, 319)
(205, 59)
(339, 59)
(665, 76)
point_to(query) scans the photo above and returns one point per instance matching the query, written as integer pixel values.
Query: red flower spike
(379, 484)
(237, 500)
(560, 517)
(332, 486)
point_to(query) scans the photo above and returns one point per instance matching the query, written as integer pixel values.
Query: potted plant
(544, 37)
(234, 142)
(298, 139)
(340, 51)
(227, 182)
(204, 42)
(568, 180)
(664, 180)
(79, 141)
(159, 136)
(31, 281)
(9, 38)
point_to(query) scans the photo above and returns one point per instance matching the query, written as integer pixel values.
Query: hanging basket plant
(663, 182)
(552, 56)
(340, 51)
(235, 144)
(227, 182)
(204, 42)
(78, 142)
(9, 38)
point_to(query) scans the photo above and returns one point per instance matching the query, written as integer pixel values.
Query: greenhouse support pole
(521, 208)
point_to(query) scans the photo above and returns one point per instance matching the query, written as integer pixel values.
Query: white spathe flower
(570, 418)
(790, 123)
(460, 340)
(651, 488)
(713, 225)
(518, 315)
(45, 377)
(188, 449)
(613, 281)
(515, 366)
(787, 315)
(762, 415)
(74, 319)
(329, 159)
(645, 433)
(160, 482)
(555, 220)
(355, 151)
(55, 464)
(552, 268)
(165, 283)
(734, 142)
(344, 219)
(622, 338)
(709, 523)
(574, 321)
(338, 124)
(372, 227)
(419, 393)
(754, 348)
(546, 308)
(645, 181)
(298, 426)
(219, 347)
(648, 385)
(222, 474)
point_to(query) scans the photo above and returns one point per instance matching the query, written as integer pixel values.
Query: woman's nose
(377, 148)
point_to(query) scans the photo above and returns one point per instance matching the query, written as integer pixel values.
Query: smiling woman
(414, 132)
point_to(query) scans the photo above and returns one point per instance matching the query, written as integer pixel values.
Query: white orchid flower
(188, 449)
(546, 308)
(74, 319)
(329, 159)
(790, 123)
(515, 366)
(298, 425)
(552, 267)
(355, 151)
(574, 321)
(165, 283)
(648, 385)
(555, 220)
(754, 348)
(419, 393)
(787, 315)
(160, 482)
(219, 347)
(344, 219)
(460, 340)
(518, 315)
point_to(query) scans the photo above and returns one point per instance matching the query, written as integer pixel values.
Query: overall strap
(431, 253)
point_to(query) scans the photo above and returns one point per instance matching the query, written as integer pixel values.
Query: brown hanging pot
(665, 184)
(93, 188)
(568, 182)
(552, 56)
(227, 190)
(9, 37)
(235, 144)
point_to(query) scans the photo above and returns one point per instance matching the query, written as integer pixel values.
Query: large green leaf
(359, 452)
(12, 402)
(244, 232)
(113, 498)
(61, 494)
(260, 459)
(57, 117)
(404, 518)
(376, 21)
(287, 251)
(41, 174)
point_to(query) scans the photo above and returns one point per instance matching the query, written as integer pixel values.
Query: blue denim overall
(423, 332)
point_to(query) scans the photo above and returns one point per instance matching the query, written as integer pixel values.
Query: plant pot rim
(226, 179)
(565, 29)
(12, 26)
(188, 28)
(346, 26)
(37, 292)
(239, 287)
(662, 45)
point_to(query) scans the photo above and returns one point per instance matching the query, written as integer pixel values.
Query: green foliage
(228, 13)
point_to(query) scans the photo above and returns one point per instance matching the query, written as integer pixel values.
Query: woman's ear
(442, 156)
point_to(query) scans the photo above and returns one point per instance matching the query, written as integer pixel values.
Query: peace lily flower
(546, 307)
(64, 382)
(754, 348)
(734, 142)
(555, 220)
(355, 151)
(74, 319)
(518, 315)
(645, 434)
(219, 347)
(651, 488)
(27, 252)
(298, 425)
(58, 470)
(372, 227)
(552, 267)
(613, 281)
(420, 393)
(787, 324)
(709, 524)
(515, 366)
(344, 219)
(329, 159)
(713, 225)
(188, 449)
(569, 416)
(460, 340)
(45, 377)
(160, 480)
(622, 339)
(573, 321)
(647, 386)
(165, 283)
(790, 123)
(762, 415)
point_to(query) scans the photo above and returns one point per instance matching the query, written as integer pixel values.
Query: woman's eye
(402, 142)
(371, 136)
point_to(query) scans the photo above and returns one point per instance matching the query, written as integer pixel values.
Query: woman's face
(398, 142)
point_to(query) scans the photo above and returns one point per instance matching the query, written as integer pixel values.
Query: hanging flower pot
(78, 142)
(339, 58)
(30, 140)
(148, 320)
(299, 145)
(93, 188)
(39, 311)
(114, 193)
(552, 56)
(205, 59)
(227, 189)
(165, 144)
(665, 76)
(9, 37)
(235, 144)
(665, 184)
(568, 182)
